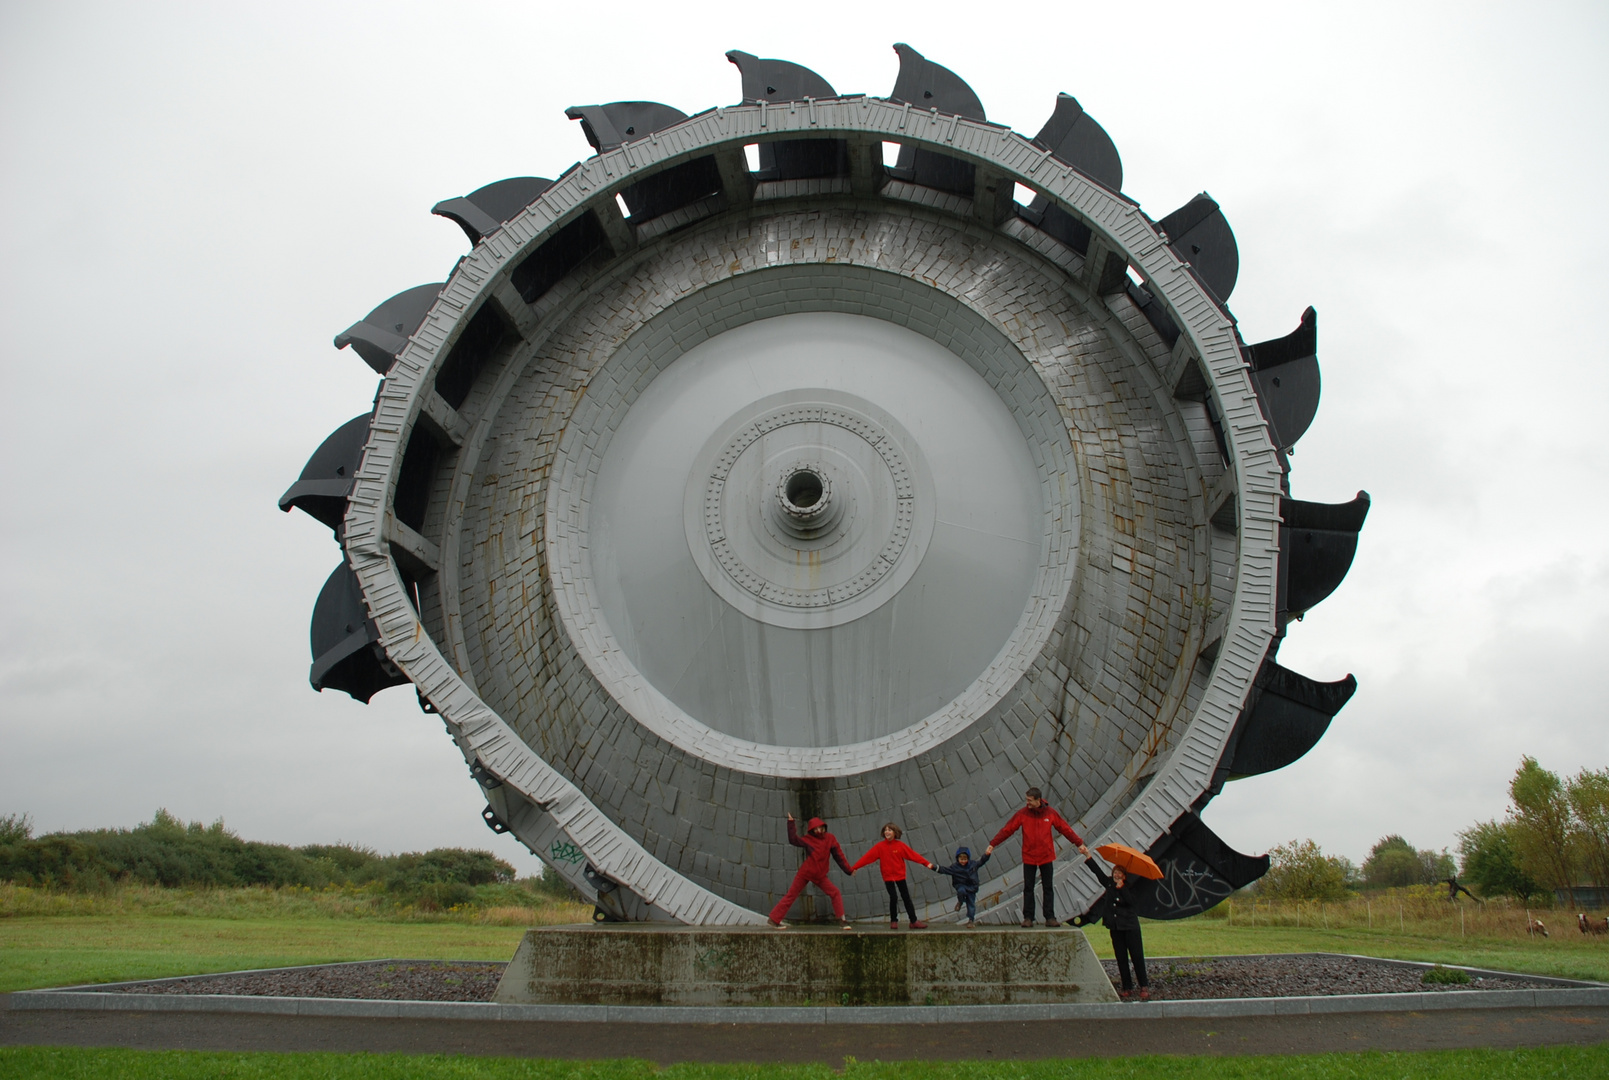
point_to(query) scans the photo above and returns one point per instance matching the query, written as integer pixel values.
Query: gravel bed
(385, 980)
(1184, 979)
(1176, 979)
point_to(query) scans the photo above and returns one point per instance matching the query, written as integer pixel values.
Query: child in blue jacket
(963, 873)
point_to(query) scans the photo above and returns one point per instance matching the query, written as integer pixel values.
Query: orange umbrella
(1137, 863)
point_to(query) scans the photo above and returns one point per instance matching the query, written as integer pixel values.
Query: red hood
(814, 824)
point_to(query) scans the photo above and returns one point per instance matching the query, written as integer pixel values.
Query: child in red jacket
(892, 854)
(820, 844)
(1036, 820)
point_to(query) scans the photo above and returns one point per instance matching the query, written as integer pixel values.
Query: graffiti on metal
(565, 852)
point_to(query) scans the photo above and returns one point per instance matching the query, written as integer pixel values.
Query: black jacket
(1114, 908)
(965, 877)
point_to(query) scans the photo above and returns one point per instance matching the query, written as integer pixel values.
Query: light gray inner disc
(902, 588)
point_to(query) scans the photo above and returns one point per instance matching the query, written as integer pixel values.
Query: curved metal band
(1116, 221)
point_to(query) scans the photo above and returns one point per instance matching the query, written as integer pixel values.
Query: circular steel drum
(739, 473)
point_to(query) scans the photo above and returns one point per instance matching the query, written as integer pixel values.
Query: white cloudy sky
(197, 197)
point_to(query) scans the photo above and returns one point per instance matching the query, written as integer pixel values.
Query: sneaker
(1124, 995)
(893, 924)
(1026, 923)
(918, 924)
(970, 923)
(959, 905)
(778, 925)
(846, 926)
(1145, 993)
(1052, 922)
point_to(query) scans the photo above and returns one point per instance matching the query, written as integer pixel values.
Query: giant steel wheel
(736, 472)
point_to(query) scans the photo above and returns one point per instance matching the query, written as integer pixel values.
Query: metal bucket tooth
(1284, 717)
(927, 85)
(1198, 869)
(607, 127)
(326, 481)
(1073, 136)
(1200, 235)
(346, 644)
(790, 159)
(1317, 543)
(1285, 373)
(777, 80)
(384, 332)
(485, 210)
(1075, 139)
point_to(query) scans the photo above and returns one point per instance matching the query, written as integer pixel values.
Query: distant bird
(1589, 925)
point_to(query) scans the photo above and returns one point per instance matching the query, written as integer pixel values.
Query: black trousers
(1043, 870)
(894, 898)
(1126, 944)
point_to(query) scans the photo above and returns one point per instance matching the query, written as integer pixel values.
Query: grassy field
(53, 939)
(1571, 957)
(93, 1064)
(1400, 924)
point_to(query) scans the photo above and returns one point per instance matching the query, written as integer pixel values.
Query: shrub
(170, 853)
(1445, 976)
(1492, 864)
(445, 895)
(1395, 863)
(1300, 870)
(15, 828)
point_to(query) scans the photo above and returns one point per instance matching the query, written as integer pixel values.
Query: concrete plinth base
(658, 965)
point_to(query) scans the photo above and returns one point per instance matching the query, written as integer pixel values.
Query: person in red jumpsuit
(819, 843)
(891, 854)
(1037, 820)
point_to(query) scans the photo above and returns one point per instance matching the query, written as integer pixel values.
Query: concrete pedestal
(658, 965)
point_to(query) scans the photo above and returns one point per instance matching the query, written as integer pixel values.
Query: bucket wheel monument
(839, 455)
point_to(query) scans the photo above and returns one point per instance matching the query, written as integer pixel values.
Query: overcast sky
(199, 197)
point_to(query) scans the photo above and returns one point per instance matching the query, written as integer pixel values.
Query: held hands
(1084, 851)
(989, 850)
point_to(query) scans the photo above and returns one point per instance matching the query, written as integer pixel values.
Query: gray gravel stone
(1172, 979)
(1176, 979)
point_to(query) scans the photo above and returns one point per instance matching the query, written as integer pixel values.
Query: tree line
(1554, 836)
(170, 853)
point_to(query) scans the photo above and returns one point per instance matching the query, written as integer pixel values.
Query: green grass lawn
(93, 1064)
(1568, 953)
(53, 950)
(62, 950)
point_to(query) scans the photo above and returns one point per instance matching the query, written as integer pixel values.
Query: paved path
(667, 1044)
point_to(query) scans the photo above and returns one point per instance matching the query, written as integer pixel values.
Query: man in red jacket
(1036, 820)
(819, 843)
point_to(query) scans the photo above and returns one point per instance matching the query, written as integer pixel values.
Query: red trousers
(800, 880)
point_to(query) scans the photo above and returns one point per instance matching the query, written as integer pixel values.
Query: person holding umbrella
(1117, 910)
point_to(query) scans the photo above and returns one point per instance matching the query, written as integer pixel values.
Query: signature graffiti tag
(1189, 888)
(565, 852)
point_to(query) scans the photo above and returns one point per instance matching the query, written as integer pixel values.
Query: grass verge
(1567, 956)
(65, 951)
(93, 1064)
